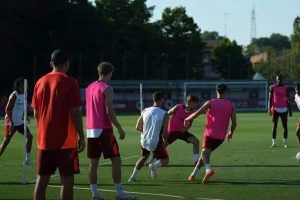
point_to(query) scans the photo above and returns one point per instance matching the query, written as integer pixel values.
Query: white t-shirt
(297, 100)
(18, 109)
(153, 118)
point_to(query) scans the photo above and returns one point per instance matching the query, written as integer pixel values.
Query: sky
(272, 16)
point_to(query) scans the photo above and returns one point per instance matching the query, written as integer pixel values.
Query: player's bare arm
(109, 95)
(77, 121)
(189, 120)
(173, 110)
(139, 124)
(233, 125)
(165, 127)
(288, 103)
(270, 100)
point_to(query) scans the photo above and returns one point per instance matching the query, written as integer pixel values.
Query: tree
(207, 35)
(295, 43)
(229, 60)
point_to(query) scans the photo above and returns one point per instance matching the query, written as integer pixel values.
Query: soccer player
(219, 112)
(57, 109)
(297, 100)
(279, 106)
(100, 116)
(176, 129)
(153, 125)
(14, 118)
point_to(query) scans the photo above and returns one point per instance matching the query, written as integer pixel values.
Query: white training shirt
(297, 100)
(18, 109)
(153, 118)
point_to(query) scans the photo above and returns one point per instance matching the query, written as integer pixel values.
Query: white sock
(94, 190)
(274, 141)
(284, 141)
(207, 166)
(157, 164)
(27, 156)
(196, 157)
(134, 173)
(195, 171)
(119, 188)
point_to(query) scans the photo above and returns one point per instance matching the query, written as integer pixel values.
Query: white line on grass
(142, 193)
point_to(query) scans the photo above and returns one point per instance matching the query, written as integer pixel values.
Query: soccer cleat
(28, 161)
(207, 175)
(285, 145)
(153, 170)
(192, 177)
(273, 145)
(124, 196)
(132, 179)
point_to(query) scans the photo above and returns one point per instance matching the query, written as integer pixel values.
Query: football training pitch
(246, 168)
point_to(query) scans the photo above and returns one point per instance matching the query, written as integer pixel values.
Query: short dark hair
(19, 81)
(192, 98)
(59, 57)
(222, 88)
(157, 96)
(104, 68)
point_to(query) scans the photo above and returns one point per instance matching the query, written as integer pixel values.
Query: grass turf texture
(245, 169)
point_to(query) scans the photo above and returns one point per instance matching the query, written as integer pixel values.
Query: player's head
(192, 101)
(297, 88)
(19, 85)
(105, 69)
(60, 60)
(222, 89)
(158, 98)
(279, 79)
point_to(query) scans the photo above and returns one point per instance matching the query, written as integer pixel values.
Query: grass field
(247, 168)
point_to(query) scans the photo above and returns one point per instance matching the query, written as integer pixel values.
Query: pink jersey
(177, 120)
(279, 96)
(96, 116)
(217, 118)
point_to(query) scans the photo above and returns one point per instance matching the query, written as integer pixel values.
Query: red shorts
(211, 143)
(66, 160)
(106, 144)
(19, 128)
(159, 153)
(179, 135)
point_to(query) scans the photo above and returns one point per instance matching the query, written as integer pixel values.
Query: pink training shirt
(279, 96)
(96, 116)
(217, 118)
(177, 120)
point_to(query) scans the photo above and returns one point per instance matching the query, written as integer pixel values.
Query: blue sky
(272, 16)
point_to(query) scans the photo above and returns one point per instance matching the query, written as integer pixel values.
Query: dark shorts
(66, 160)
(106, 144)
(211, 143)
(179, 135)
(19, 128)
(276, 115)
(159, 153)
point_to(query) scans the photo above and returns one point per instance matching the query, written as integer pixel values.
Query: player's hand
(121, 133)
(188, 123)
(229, 136)
(81, 144)
(269, 111)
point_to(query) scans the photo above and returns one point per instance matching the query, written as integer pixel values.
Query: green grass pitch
(246, 168)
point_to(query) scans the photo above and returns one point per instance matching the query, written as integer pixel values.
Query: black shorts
(179, 135)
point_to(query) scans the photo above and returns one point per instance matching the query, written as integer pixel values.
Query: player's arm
(233, 124)
(288, 102)
(139, 124)
(9, 107)
(270, 99)
(77, 121)
(109, 95)
(173, 110)
(189, 120)
(165, 127)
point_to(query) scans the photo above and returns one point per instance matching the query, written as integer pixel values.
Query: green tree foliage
(207, 35)
(229, 60)
(295, 43)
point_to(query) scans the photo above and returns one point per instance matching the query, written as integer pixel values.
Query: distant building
(209, 69)
(262, 57)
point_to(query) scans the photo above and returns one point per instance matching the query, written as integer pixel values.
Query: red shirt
(55, 94)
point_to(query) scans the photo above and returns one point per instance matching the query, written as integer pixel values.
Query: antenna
(253, 24)
(225, 25)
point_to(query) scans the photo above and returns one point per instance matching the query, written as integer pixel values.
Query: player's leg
(206, 161)
(139, 164)
(284, 120)
(192, 139)
(4, 144)
(162, 155)
(274, 128)
(29, 137)
(41, 186)
(93, 153)
(298, 131)
(66, 191)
